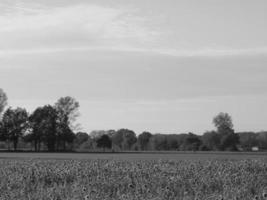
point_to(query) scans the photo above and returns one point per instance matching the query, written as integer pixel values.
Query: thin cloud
(35, 29)
(69, 27)
(165, 52)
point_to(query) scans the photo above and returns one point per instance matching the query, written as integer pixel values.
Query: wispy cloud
(166, 52)
(70, 27)
(27, 29)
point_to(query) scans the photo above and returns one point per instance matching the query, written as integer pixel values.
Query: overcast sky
(163, 66)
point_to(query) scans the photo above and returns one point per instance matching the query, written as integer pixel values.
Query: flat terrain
(139, 155)
(44, 179)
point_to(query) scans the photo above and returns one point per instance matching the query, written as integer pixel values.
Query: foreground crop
(125, 180)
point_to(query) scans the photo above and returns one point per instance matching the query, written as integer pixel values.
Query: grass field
(128, 176)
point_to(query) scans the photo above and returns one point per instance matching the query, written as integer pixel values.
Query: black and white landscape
(133, 99)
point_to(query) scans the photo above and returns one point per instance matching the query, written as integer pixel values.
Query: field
(140, 155)
(170, 176)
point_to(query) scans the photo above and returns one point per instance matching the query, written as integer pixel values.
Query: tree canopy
(3, 101)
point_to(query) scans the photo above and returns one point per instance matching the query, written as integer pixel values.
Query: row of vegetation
(52, 128)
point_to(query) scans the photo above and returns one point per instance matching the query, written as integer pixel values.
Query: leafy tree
(262, 139)
(223, 122)
(80, 138)
(143, 140)
(110, 133)
(248, 140)
(104, 142)
(44, 127)
(192, 142)
(174, 141)
(97, 134)
(211, 140)
(36, 134)
(67, 112)
(67, 108)
(124, 139)
(3, 101)
(89, 144)
(228, 138)
(2, 132)
(64, 135)
(14, 124)
(229, 142)
(159, 142)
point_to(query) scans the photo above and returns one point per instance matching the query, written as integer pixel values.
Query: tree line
(52, 128)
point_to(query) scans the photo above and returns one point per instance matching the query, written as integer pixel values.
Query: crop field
(130, 179)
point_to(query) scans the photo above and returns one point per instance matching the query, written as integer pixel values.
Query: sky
(148, 65)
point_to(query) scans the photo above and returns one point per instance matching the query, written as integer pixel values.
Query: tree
(192, 142)
(14, 124)
(228, 138)
(124, 139)
(159, 142)
(223, 122)
(97, 134)
(67, 108)
(64, 135)
(143, 140)
(248, 140)
(2, 132)
(3, 101)
(262, 139)
(80, 138)
(44, 127)
(104, 142)
(229, 142)
(67, 111)
(211, 140)
(36, 134)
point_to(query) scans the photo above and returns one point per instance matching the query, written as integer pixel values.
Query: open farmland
(133, 176)
(139, 155)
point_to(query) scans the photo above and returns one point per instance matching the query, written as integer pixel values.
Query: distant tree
(44, 127)
(110, 133)
(67, 112)
(228, 139)
(211, 140)
(174, 141)
(117, 139)
(143, 140)
(124, 139)
(14, 124)
(104, 142)
(3, 101)
(80, 138)
(159, 142)
(229, 142)
(192, 142)
(88, 145)
(262, 140)
(67, 108)
(95, 134)
(248, 140)
(64, 135)
(36, 135)
(223, 122)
